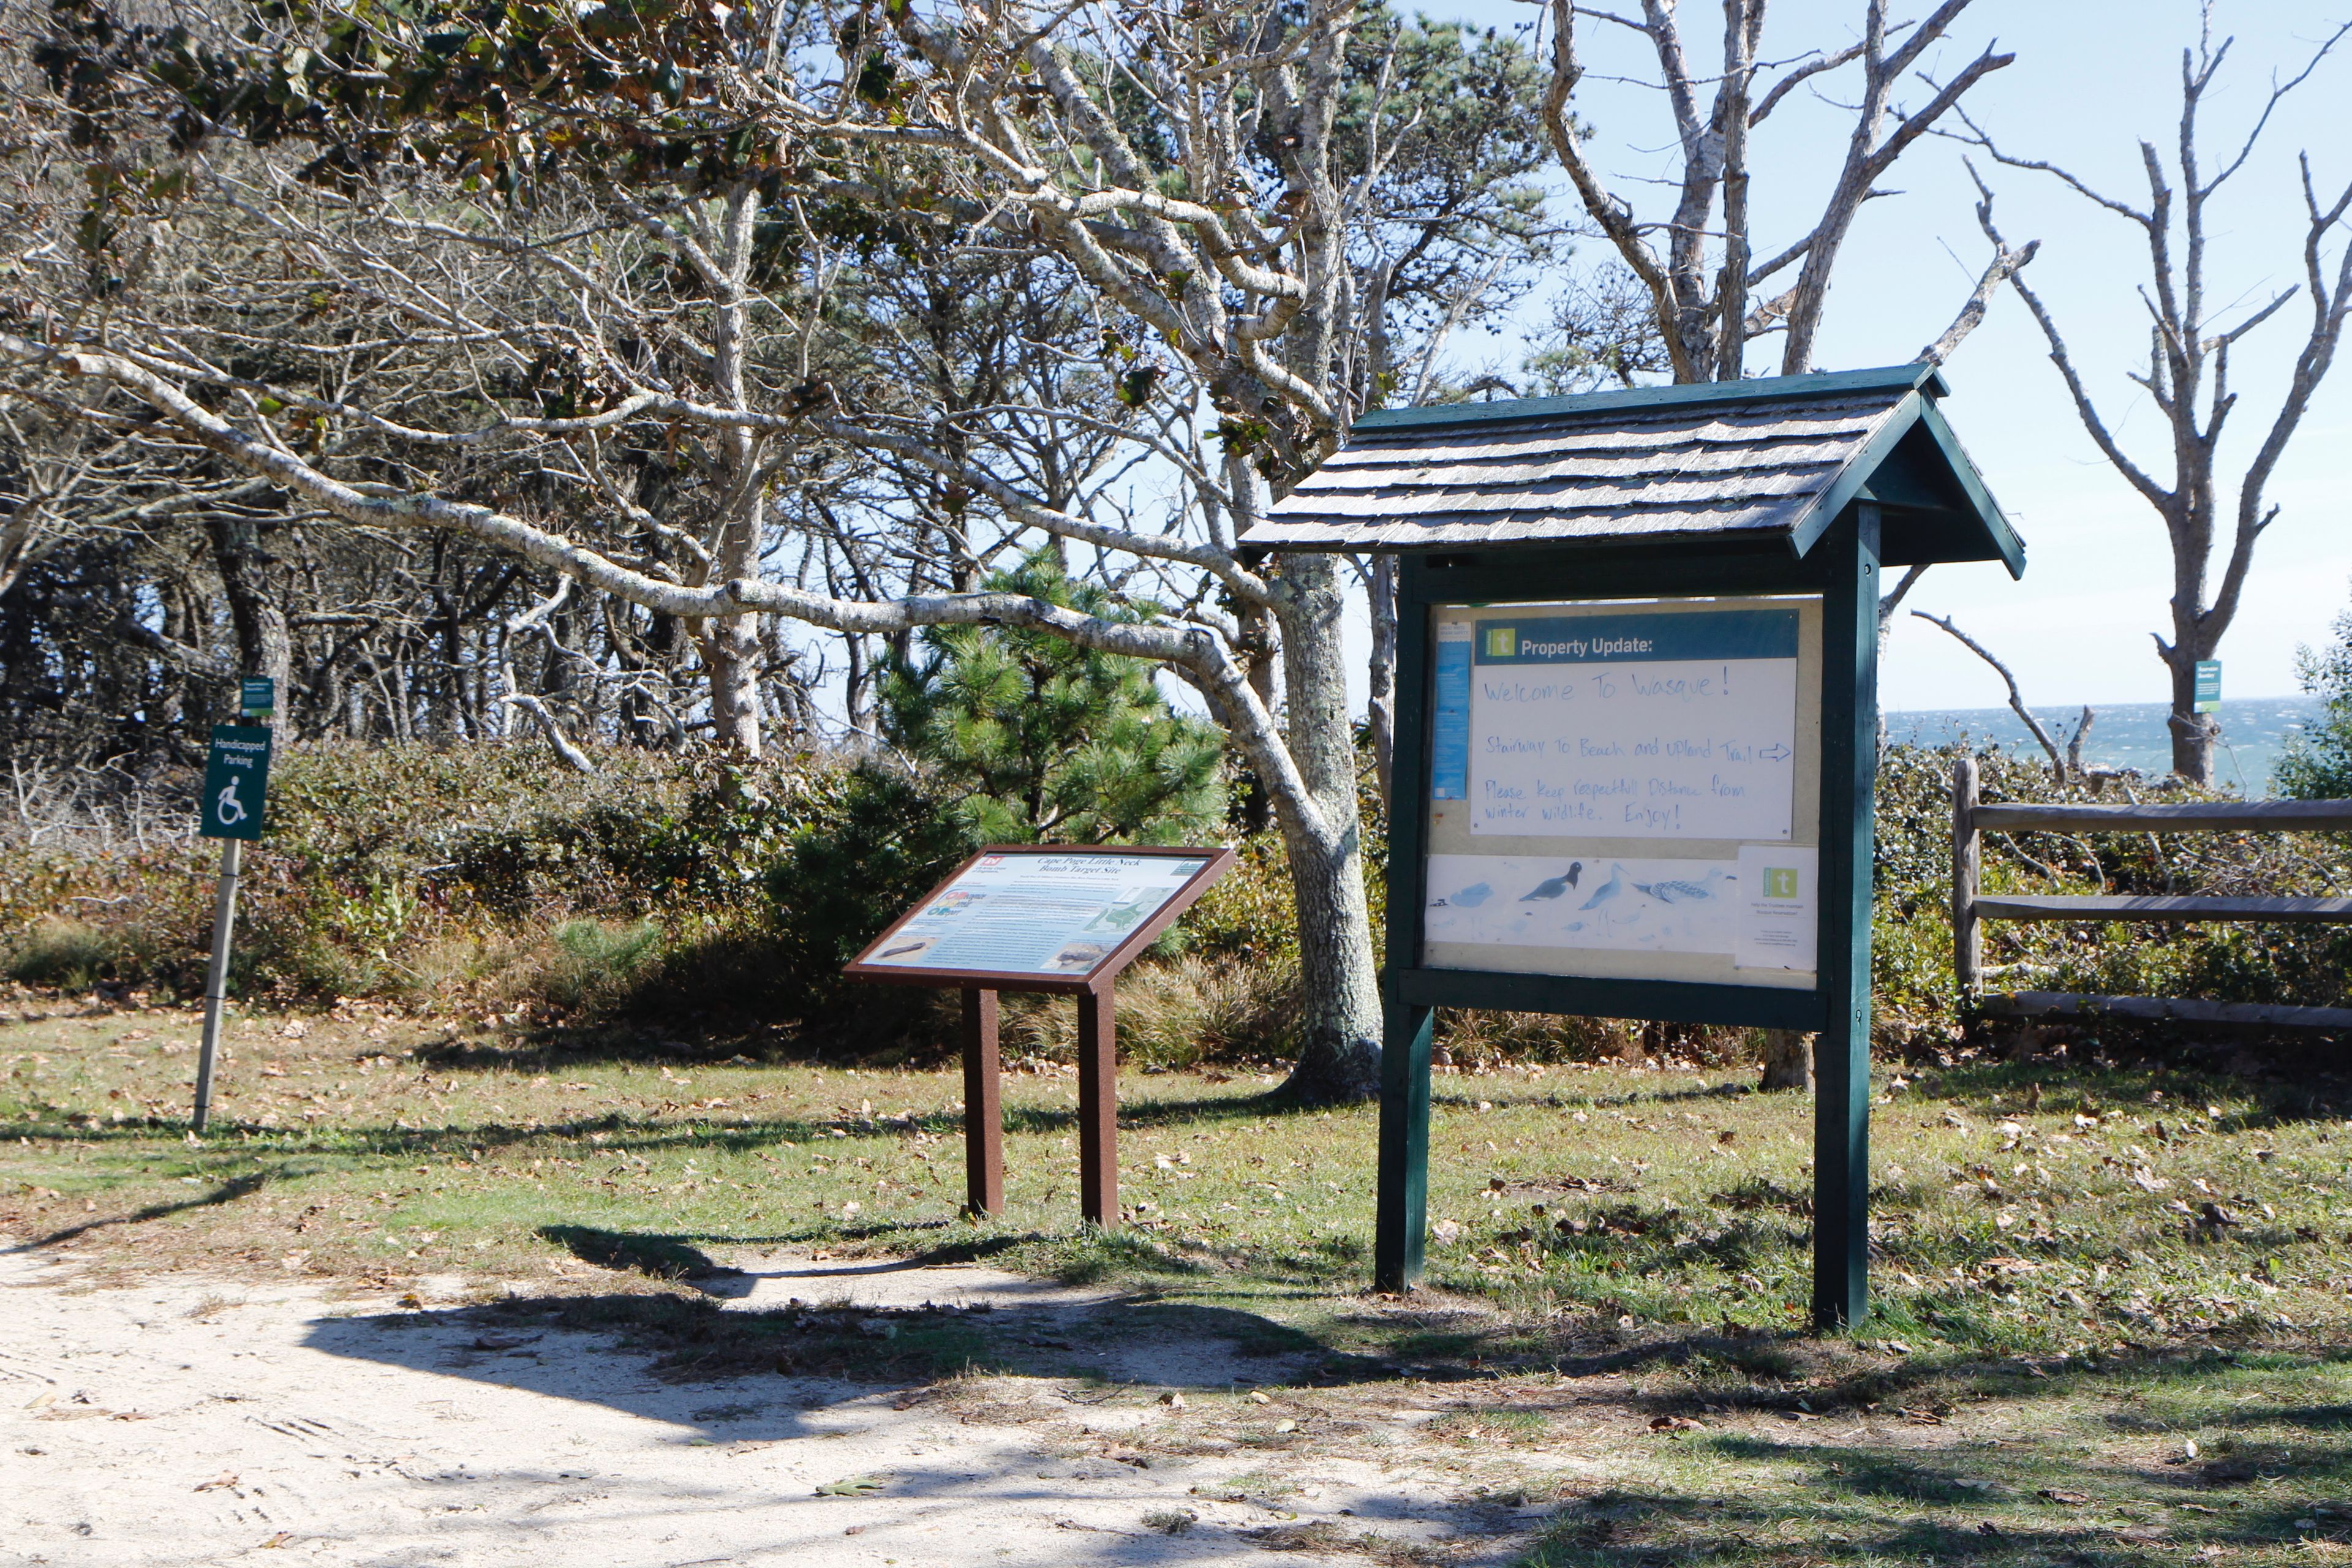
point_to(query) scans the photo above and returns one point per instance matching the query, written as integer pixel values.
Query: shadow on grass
(228, 1192)
(2017, 1504)
(655, 1257)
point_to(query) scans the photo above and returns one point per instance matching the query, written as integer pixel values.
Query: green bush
(2317, 763)
(687, 887)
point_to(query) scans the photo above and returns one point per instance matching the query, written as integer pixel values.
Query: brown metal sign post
(1044, 918)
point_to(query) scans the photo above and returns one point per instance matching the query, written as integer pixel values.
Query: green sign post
(235, 790)
(1636, 722)
(2208, 686)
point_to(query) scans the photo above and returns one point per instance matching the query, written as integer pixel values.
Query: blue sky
(2090, 80)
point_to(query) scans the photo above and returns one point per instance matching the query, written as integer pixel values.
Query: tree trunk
(2193, 732)
(730, 644)
(1788, 1060)
(1340, 1028)
(733, 650)
(264, 646)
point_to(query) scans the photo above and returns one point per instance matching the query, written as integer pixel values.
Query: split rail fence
(1971, 906)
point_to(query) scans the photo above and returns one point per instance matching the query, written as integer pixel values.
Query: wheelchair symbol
(228, 810)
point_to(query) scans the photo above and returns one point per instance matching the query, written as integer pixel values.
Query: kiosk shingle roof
(1751, 458)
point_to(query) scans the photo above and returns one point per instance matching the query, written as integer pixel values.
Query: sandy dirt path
(183, 1420)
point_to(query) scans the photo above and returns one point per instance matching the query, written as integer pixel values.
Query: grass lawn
(2112, 1322)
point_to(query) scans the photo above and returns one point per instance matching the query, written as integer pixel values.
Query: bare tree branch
(2016, 698)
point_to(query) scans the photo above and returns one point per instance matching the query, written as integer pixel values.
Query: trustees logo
(1501, 641)
(1779, 882)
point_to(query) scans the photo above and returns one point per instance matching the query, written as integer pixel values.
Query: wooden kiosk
(1636, 727)
(1059, 919)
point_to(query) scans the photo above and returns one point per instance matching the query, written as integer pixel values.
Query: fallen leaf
(2059, 1494)
(281, 1539)
(1260, 1396)
(1173, 1400)
(41, 1399)
(855, 1486)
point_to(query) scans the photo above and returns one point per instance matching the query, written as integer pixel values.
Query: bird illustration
(1554, 887)
(1674, 890)
(1608, 890)
(1471, 897)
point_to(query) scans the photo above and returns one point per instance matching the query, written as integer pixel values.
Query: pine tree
(1041, 741)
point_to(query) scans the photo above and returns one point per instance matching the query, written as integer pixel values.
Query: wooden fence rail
(1971, 906)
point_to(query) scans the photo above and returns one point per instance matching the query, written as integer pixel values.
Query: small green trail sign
(2208, 686)
(257, 694)
(236, 792)
(236, 782)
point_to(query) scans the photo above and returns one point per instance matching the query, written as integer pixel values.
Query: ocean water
(2129, 734)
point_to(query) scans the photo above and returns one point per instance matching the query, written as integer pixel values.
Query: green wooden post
(1401, 1219)
(1841, 1060)
(1401, 1215)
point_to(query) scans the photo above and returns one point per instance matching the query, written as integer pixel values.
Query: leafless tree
(2188, 373)
(1705, 280)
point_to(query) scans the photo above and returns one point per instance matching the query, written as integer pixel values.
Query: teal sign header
(1638, 638)
(236, 782)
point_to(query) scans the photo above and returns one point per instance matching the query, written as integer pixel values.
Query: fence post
(1967, 951)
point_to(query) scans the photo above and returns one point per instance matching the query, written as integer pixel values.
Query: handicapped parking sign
(236, 782)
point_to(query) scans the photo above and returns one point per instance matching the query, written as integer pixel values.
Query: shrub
(2318, 763)
(688, 887)
(2226, 961)
(65, 955)
(597, 959)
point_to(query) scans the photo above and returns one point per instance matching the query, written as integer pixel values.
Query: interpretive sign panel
(236, 782)
(1041, 918)
(1628, 790)
(1028, 917)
